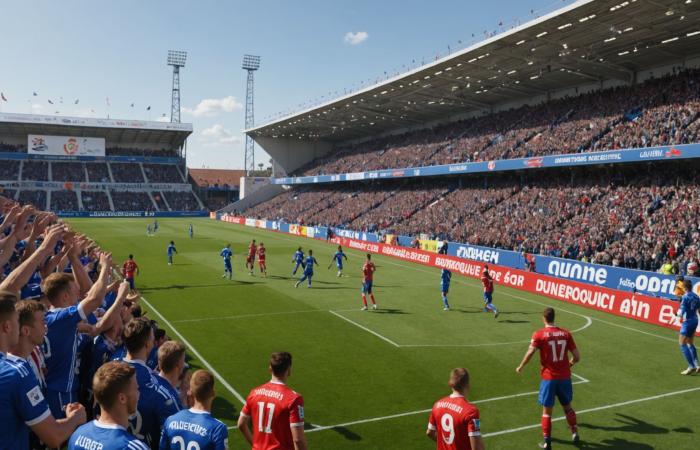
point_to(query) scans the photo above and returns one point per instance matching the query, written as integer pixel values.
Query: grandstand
(468, 148)
(81, 166)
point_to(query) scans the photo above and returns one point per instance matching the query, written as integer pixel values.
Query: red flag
(3, 97)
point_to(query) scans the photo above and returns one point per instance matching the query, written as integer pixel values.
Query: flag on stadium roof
(34, 94)
(4, 99)
(50, 102)
(148, 109)
(76, 101)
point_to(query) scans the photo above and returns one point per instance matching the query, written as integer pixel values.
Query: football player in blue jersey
(22, 402)
(308, 269)
(445, 278)
(171, 251)
(298, 259)
(196, 425)
(171, 366)
(338, 259)
(117, 392)
(155, 403)
(226, 254)
(688, 313)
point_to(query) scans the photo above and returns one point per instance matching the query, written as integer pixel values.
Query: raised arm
(21, 275)
(96, 294)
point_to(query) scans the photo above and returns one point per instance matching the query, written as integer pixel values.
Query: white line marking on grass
(599, 408)
(385, 339)
(216, 374)
(423, 411)
(583, 380)
(245, 316)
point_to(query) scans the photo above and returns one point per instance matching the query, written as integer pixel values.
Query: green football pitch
(369, 378)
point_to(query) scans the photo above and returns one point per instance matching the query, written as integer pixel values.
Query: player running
(367, 278)
(171, 250)
(487, 282)
(226, 253)
(129, 269)
(308, 266)
(554, 344)
(155, 226)
(688, 313)
(338, 258)
(261, 259)
(250, 260)
(191, 231)
(148, 230)
(454, 422)
(298, 259)
(276, 411)
(445, 278)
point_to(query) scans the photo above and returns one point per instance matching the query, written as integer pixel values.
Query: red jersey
(487, 282)
(454, 419)
(129, 268)
(261, 253)
(554, 344)
(368, 271)
(252, 249)
(274, 409)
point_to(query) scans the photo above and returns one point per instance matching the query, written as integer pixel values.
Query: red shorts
(261, 262)
(250, 259)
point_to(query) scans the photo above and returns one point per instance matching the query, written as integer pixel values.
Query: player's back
(226, 253)
(274, 409)
(191, 425)
(454, 419)
(261, 252)
(554, 344)
(487, 283)
(690, 303)
(94, 435)
(368, 271)
(252, 249)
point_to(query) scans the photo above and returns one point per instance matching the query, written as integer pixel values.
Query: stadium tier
(75, 165)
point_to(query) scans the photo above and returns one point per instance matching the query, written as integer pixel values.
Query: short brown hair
(110, 380)
(7, 304)
(26, 310)
(280, 362)
(548, 315)
(136, 334)
(169, 353)
(202, 385)
(459, 378)
(55, 284)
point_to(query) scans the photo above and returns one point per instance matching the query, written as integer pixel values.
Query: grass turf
(352, 366)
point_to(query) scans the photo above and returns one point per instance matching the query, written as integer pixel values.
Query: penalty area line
(385, 339)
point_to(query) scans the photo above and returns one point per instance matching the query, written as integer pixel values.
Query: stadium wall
(650, 284)
(131, 214)
(657, 311)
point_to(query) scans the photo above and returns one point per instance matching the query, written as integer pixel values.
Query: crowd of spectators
(636, 216)
(659, 111)
(32, 197)
(35, 170)
(182, 201)
(98, 172)
(9, 170)
(135, 151)
(95, 201)
(12, 148)
(126, 173)
(131, 201)
(68, 171)
(76, 345)
(162, 173)
(158, 197)
(64, 201)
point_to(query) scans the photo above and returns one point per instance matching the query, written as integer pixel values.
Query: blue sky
(91, 50)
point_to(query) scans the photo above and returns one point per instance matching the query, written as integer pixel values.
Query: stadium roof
(588, 41)
(113, 130)
(211, 177)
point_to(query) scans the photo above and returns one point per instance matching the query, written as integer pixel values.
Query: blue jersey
(338, 257)
(155, 225)
(61, 348)
(192, 425)
(191, 229)
(103, 350)
(171, 250)
(445, 277)
(226, 253)
(22, 404)
(298, 257)
(173, 392)
(155, 404)
(309, 264)
(95, 435)
(690, 303)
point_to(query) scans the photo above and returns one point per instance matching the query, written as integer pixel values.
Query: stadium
(545, 174)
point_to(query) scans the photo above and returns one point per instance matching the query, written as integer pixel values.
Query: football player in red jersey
(129, 269)
(250, 260)
(261, 259)
(367, 279)
(554, 344)
(487, 282)
(454, 422)
(276, 411)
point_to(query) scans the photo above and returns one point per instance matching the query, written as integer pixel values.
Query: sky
(95, 50)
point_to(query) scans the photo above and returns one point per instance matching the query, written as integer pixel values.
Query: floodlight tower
(251, 63)
(176, 59)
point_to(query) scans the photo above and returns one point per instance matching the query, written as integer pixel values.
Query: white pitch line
(385, 339)
(599, 408)
(245, 316)
(423, 411)
(216, 374)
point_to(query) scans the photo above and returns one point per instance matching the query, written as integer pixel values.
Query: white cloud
(210, 107)
(355, 37)
(218, 135)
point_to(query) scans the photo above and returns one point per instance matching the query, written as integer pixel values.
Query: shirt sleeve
(246, 408)
(164, 439)
(570, 342)
(432, 423)
(474, 424)
(220, 437)
(535, 341)
(30, 401)
(296, 413)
